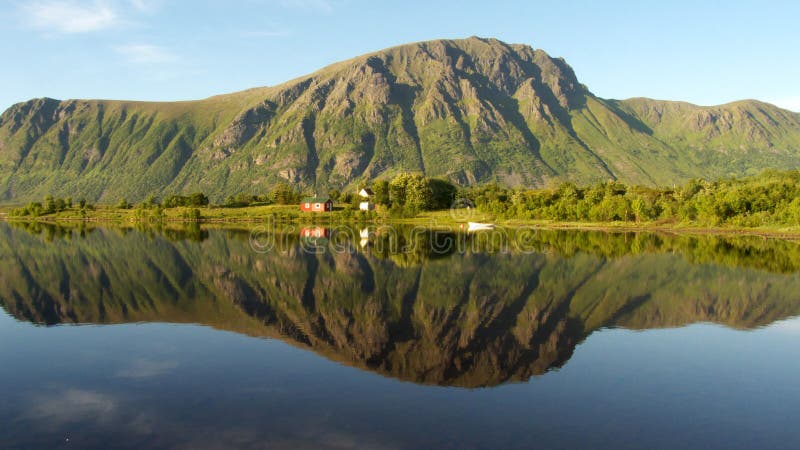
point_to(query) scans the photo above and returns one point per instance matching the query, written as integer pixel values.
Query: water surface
(198, 338)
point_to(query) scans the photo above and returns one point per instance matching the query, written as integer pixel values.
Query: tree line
(51, 205)
(405, 195)
(771, 198)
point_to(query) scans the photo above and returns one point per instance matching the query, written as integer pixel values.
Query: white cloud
(145, 6)
(145, 54)
(65, 406)
(73, 405)
(69, 16)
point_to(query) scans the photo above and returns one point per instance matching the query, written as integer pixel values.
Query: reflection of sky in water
(463, 320)
(190, 386)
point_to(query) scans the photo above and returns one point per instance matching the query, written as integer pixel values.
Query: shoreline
(113, 216)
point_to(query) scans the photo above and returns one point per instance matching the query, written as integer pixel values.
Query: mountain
(470, 318)
(473, 110)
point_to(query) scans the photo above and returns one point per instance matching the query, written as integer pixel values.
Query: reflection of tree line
(408, 245)
(51, 231)
(468, 319)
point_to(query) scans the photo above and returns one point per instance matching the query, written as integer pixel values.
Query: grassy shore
(446, 218)
(291, 214)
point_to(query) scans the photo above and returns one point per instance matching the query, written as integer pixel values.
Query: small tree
(284, 194)
(381, 190)
(49, 204)
(443, 193)
(198, 199)
(149, 202)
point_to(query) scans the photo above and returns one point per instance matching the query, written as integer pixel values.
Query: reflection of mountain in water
(468, 319)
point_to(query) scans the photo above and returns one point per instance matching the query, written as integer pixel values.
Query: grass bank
(218, 215)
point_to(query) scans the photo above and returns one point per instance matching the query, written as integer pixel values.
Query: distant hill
(473, 110)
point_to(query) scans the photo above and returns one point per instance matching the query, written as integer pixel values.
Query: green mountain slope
(473, 110)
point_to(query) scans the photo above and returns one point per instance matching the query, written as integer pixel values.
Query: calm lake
(395, 338)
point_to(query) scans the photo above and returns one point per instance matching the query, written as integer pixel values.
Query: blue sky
(706, 52)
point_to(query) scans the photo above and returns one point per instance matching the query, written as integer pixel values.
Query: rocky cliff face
(473, 110)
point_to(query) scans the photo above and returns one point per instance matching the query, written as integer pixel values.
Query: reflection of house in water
(364, 237)
(315, 235)
(366, 199)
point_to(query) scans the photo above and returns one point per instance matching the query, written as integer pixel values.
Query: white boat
(477, 226)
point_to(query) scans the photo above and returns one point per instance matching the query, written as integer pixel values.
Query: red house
(316, 204)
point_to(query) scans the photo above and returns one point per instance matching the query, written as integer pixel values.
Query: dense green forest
(771, 198)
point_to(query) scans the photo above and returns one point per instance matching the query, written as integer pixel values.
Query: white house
(366, 195)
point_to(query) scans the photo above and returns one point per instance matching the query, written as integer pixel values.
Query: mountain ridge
(472, 110)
